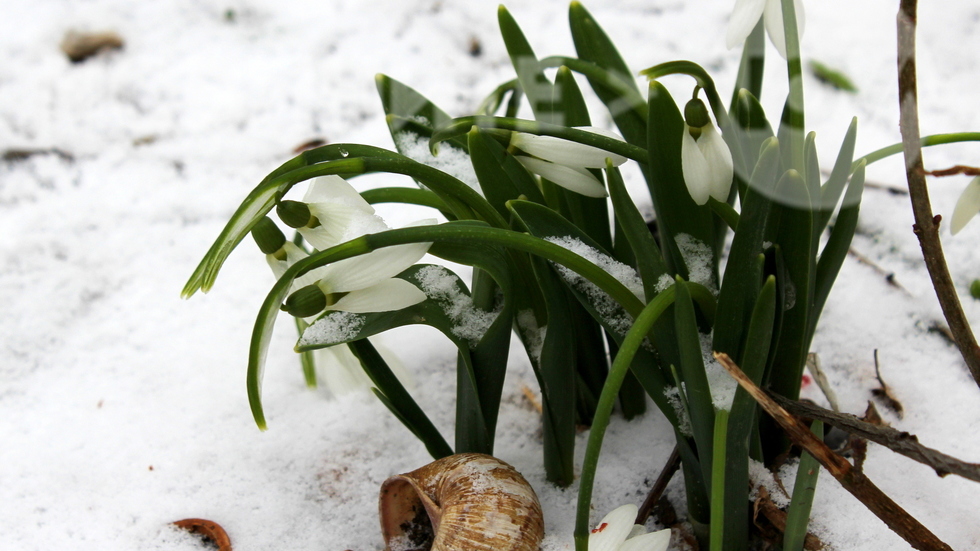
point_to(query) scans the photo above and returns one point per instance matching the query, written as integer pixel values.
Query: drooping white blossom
(706, 161)
(746, 15)
(967, 206)
(565, 162)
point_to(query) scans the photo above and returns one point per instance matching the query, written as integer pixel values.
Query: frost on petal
(613, 529)
(386, 296)
(374, 267)
(566, 152)
(744, 18)
(967, 206)
(697, 175)
(774, 23)
(578, 180)
(719, 162)
(654, 541)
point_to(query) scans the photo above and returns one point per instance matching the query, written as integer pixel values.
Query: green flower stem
(617, 373)
(718, 481)
(463, 125)
(462, 200)
(794, 68)
(703, 79)
(462, 232)
(726, 212)
(935, 139)
(492, 102)
(607, 79)
(407, 195)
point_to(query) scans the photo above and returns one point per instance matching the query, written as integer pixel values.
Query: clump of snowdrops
(564, 261)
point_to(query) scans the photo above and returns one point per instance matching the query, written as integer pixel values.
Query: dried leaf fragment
(884, 394)
(209, 529)
(79, 46)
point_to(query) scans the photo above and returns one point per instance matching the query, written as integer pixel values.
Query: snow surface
(123, 408)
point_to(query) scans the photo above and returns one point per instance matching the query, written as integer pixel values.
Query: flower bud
(268, 236)
(696, 116)
(294, 214)
(306, 302)
(975, 289)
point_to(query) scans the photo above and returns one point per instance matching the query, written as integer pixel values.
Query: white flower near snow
(705, 158)
(565, 162)
(967, 206)
(341, 213)
(746, 15)
(616, 532)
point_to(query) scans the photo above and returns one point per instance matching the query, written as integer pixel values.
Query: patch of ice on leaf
(673, 395)
(699, 258)
(333, 328)
(451, 160)
(469, 322)
(533, 335)
(722, 384)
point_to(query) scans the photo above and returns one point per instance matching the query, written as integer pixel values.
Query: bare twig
(673, 463)
(953, 171)
(884, 393)
(813, 366)
(926, 226)
(889, 276)
(854, 481)
(898, 441)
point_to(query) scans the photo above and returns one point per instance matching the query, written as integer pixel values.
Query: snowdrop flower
(280, 254)
(362, 284)
(332, 212)
(616, 532)
(967, 206)
(705, 158)
(746, 15)
(566, 162)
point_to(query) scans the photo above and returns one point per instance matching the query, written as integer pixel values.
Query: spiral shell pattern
(464, 502)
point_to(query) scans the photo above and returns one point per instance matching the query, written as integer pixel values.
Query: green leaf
(835, 251)
(493, 101)
(831, 191)
(407, 110)
(798, 514)
(831, 77)
(752, 66)
(720, 538)
(693, 375)
(396, 398)
(649, 261)
(408, 196)
(534, 83)
(792, 230)
(743, 275)
(750, 130)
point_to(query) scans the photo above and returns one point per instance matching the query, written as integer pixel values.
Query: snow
(469, 322)
(124, 408)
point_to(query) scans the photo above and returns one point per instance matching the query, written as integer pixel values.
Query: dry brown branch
(953, 171)
(926, 226)
(854, 481)
(653, 497)
(884, 393)
(898, 441)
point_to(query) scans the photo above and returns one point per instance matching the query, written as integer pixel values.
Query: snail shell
(464, 502)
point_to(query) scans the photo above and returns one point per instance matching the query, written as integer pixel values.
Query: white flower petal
(386, 296)
(744, 18)
(774, 23)
(612, 530)
(638, 530)
(565, 152)
(368, 269)
(334, 189)
(697, 175)
(967, 206)
(293, 255)
(577, 180)
(340, 222)
(719, 162)
(340, 370)
(654, 541)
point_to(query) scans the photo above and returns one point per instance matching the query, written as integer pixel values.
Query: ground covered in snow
(123, 408)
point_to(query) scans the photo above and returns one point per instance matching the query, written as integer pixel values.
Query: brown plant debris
(653, 499)
(884, 394)
(770, 523)
(209, 529)
(953, 171)
(898, 441)
(22, 154)
(79, 46)
(854, 481)
(529, 395)
(889, 276)
(310, 144)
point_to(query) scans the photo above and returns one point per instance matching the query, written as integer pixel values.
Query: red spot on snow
(600, 528)
(805, 382)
